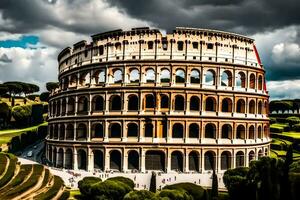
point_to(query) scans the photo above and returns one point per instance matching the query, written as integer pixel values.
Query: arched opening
(266, 131)
(251, 132)
(73, 81)
(164, 101)
(210, 78)
(60, 160)
(133, 160)
(177, 131)
(150, 76)
(115, 103)
(58, 109)
(251, 156)
(240, 159)
(62, 132)
(150, 101)
(97, 131)
(55, 131)
(64, 106)
(252, 81)
(50, 153)
(115, 131)
(226, 105)
(98, 104)
(252, 107)
(260, 153)
(266, 152)
(260, 83)
(165, 76)
(259, 107)
(148, 130)
(71, 106)
(209, 160)
(132, 129)
(225, 160)
(70, 132)
(99, 76)
(259, 133)
(226, 131)
(85, 79)
(134, 76)
(240, 106)
(179, 102)
(115, 160)
(180, 76)
(54, 108)
(98, 159)
(133, 103)
(241, 80)
(81, 132)
(195, 76)
(210, 131)
(176, 161)
(240, 132)
(82, 159)
(194, 161)
(155, 160)
(194, 103)
(210, 104)
(226, 79)
(50, 132)
(54, 157)
(83, 105)
(194, 130)
(69, 159)
(118, 76)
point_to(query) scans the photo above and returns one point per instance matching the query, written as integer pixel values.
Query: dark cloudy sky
(32, 32)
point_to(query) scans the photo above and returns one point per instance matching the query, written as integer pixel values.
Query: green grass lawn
(73, 194)
(6, 135)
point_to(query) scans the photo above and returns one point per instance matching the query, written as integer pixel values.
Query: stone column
(75, 160)
(124, 161)
(90, 163)
(143, 161)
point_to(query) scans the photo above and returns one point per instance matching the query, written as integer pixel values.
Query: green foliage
(85, 185)
(140, 194)
(126, 181)
(273, 120)
(3, 89)
(214, 190)
(293, 120)
(153, 182)
(175, 194)
(280, 105)
(196, 191)
(32, 96)
(52, 86)
(44, 96)
(65, 195)
(275, 129)
(296, 127)
(3, 163)
(37, 113)
(294, 179)
(22, 114)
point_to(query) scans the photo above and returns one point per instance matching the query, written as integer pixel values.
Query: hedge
(276, 129)
(126, 181)
(175, 194)
(85, 185)
(3, 163)
(52, 192)
(140, 194)
(196, 191)
(10, 171)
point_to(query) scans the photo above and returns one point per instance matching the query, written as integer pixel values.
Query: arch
(266, 131)
(115, 103)
(62, 132)
(71, 105)
(195, 76)
(98, 159)
(177, 131)
(55, 134)
(115, 160)
(227, 105)
(241, 80)
(70, 132)
(134, 76)
(266, 152)
(241, 106)
(226, 131)
(240, 159)
(155, 160)
(148, 130)
(252, 81)
(97, 131)
(98, 103)
(259, 132)
(69, 159)
(85, 78)
(132, 130)
(226, 78)
(260, 153)
(99, 76)
(194, 161)
(82, 159)
(251, 156)
(83, 104)
(150, 101)
(50, 151)
(164, 101)
(115, 131)
(210, 130)
(118, 46)
(60, 158)
(194, 130)
(210, 104)
(240, 132)
(179, 102)
(259, 107)
(118, 76)
(177, 161)
(50, 131)
(133, 103)
(260, 82)
(180, 76)
(73, 81)
(209, 160)
(150, 76)
(133, 160)
(251, 132)
(54, 157)
(225, 160)
(81, 132)
(194, 103)
(58, 108)
(210, 77)
(64, 106)
(165, 76)
(252, 107)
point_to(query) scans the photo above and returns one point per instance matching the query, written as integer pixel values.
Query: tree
(153, 182)
(13, 89)
(214, 187)
(86, 184)
(140, 194)
(3, 89)
(52, 86)
(44, 96)
(285, 183)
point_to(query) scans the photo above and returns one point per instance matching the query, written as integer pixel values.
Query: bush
(42, 132)
(126, 181)
(140, 194)
(293, 120)
(22, 114)
(196, 191)
(85, 185)
(273, 120)
(169, 194)
(44, 96)
(295, 185)
(32, 96)
(297, 127)
(276, 129)
(37, 113)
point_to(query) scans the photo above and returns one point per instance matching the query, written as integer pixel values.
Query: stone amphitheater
(137, 101)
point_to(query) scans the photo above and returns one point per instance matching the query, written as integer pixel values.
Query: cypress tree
(285, 182)
(214, 187)
(153, 183)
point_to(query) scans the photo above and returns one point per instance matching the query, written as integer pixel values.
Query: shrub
(140, 194)
(126, 181)
(44, 96)
(295, 185)
(42, 132)
(176, 194)
(297, 127)
(293, 120)
(273, 120)
(37, 113)
(196, 191)
(86, 183)
(32, 97)
(276, 129)
(22, 114)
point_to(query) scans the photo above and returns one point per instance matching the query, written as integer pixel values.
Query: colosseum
(138, 101)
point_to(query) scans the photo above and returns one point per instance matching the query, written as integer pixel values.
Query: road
(36, 150)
